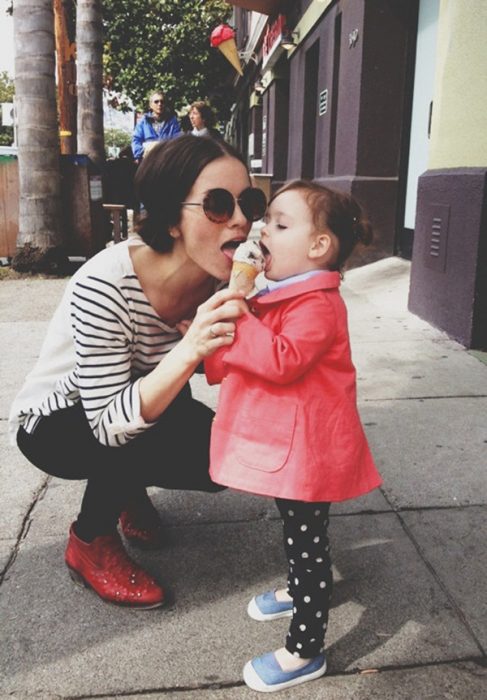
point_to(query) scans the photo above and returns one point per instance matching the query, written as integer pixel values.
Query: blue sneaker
(264, 673)
(266, 607)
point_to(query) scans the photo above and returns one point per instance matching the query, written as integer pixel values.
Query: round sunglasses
(219, 204)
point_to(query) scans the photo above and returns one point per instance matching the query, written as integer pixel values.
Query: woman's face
(196, 119)
(210, 245)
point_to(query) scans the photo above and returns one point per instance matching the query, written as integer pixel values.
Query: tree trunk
(89, 48)
(39, 243)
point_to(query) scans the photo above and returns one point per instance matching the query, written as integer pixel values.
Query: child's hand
(242, 305)
(183, 325)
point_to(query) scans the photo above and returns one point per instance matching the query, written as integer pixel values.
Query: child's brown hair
(336, 211)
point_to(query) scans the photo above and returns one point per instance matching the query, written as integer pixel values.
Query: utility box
(448, 286)
(85, 224)
(118, 182)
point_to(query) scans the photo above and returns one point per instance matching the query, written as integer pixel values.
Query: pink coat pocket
(263, 437)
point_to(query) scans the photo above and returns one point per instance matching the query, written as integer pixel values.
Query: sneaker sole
(82, 583)
(256, 614)
(255, 682)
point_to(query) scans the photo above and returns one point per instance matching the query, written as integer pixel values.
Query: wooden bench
(118, 215)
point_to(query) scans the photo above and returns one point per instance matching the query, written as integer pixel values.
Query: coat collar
(325, 280)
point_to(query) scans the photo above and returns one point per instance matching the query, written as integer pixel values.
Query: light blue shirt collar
(272, 285)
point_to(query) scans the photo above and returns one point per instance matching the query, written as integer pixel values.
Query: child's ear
(320, 246)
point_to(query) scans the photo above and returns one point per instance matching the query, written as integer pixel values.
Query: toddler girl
(287, 423)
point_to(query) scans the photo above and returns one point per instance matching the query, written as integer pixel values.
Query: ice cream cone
(229, 50)
(248, 261)
(242, 278)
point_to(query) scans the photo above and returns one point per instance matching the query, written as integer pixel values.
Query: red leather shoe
(105, 566)
(141, 525)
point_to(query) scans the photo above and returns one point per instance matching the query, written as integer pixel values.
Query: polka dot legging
(310, 579)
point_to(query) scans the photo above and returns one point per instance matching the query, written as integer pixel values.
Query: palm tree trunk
(89, 48)
(39, 240)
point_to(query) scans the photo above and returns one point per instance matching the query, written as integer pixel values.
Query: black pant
(310, 581)
(172, 454)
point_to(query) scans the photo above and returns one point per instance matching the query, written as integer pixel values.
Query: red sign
(273, 35)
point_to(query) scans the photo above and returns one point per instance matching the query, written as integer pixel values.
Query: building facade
(384, 99)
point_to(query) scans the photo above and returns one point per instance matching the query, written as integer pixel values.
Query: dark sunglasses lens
(218, 205)
(253, 203)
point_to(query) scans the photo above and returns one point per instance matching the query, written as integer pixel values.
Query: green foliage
(165, 44)
(117, 137)
(6, 136)
(7, 89)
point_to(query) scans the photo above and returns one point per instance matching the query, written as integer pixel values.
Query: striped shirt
(103, 338)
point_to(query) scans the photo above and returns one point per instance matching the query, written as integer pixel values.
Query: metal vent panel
(437, 222)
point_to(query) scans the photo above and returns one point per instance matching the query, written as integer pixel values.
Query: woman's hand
(214, 324)
(212, 327)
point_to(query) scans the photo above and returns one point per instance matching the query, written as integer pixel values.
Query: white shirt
(103, 338)
(200, 132)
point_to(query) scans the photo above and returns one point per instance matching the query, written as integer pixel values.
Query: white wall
(424, 84)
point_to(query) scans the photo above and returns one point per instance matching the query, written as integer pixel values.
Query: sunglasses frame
(227, 215)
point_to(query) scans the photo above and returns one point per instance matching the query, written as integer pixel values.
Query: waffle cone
(229, 50)
(242, 278)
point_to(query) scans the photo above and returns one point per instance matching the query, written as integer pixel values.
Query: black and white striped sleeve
(103, 343)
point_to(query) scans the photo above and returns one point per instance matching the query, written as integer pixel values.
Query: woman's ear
(175, 232)
(321, 245)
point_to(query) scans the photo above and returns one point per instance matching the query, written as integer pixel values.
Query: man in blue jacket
(157, 125)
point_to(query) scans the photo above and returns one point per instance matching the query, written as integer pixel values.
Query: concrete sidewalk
(409, 617)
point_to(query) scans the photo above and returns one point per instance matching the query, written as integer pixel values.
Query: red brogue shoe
(141, 525)
(105, 566)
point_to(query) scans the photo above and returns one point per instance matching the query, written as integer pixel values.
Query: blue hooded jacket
(144, 131)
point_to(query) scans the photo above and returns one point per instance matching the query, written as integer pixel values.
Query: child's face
(288, 236)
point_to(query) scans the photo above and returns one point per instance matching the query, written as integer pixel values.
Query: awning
(267, 7)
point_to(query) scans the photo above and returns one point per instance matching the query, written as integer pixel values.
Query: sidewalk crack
(24, 529)
(455, 606)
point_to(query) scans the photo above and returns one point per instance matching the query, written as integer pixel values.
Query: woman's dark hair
(337, 211)
(205, 111)
(165, 178)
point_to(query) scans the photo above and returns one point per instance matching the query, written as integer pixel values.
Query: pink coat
(287, 423)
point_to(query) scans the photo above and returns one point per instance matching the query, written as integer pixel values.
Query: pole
(64, 28)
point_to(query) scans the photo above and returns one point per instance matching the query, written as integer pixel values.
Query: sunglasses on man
(219, 204)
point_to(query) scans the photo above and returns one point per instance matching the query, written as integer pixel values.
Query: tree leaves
(164, 44)
(7, 88)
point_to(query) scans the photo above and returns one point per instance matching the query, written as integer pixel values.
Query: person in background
(109, 399)
(202, 120)
(159, 124)
(287, 424)
(186, 126)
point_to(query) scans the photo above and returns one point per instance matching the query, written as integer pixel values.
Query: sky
(6, 42)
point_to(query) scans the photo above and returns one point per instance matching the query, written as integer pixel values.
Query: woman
(202, 119)
(109, 397)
